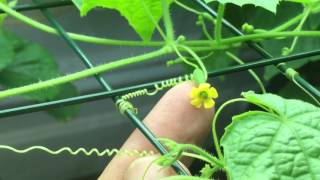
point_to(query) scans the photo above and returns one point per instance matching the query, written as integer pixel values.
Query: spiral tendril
(87, 152)
(171, 82)
(137, 94)
(124, 105)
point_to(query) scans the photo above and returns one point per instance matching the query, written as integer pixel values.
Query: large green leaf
(270, 5)
(135, 11)
(282, 142)
(32, 63)
(6, 51)
(66, 113)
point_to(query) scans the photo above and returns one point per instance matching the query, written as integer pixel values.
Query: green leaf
(6, 51)
(78, 3)
(270, 5)
(66, 113)
(135, 11)
(282, 142)
(199, 76)
(32, 63)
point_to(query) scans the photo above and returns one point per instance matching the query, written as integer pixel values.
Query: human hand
(173, 117)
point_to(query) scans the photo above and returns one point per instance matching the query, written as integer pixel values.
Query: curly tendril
(172, 82)
(90, 152)
(124, 105)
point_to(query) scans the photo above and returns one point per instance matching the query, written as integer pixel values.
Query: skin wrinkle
(173, 117)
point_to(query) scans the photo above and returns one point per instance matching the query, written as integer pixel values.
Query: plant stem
(97, 40)
(218, 27)
(213, 160)
(196, 156)
(84, 73)
(288, 23)
(266, 35)
(253, 37)
(78, 37)
(214, 122)
(167, 22)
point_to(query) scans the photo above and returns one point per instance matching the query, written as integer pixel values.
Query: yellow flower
(204, 94)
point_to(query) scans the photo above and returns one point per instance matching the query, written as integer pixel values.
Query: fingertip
(177, 111)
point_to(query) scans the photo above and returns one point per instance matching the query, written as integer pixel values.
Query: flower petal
(204, 87)
(194, 93)
(213, 93)
(196, 103)
(209, 103)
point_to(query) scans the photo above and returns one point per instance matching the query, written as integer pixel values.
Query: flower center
(203, 95)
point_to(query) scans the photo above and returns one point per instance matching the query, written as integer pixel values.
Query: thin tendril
(90, 152)
(304, 90)
(179, 60)
(291, 74)
(187, 8)
(214, 122)
(183, 58)
(254, 74)
(205, 30)
(299, 27)
(197, 58)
